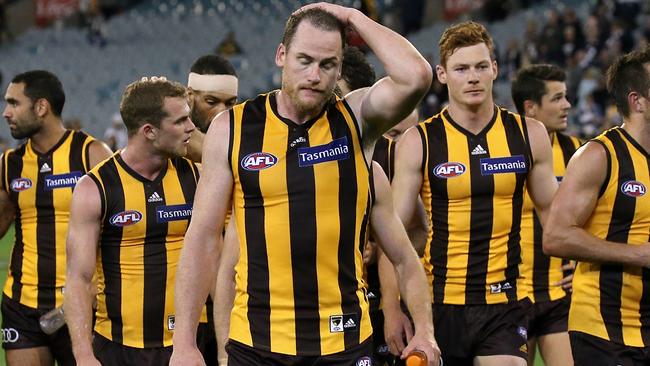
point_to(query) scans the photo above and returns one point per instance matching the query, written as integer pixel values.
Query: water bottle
(52, 321)
(416, 358)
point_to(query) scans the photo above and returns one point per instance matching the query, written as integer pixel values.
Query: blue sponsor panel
(335, 150)
(508, 164)
(173, 213)
(66, 180)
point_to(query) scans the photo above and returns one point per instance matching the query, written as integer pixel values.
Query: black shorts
(590, 350)
(466, 331)
(242, 355)
(110, 353)
(380, 354)
(20, 330)
(549, 317)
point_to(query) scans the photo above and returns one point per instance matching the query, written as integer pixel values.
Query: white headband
(226, 84)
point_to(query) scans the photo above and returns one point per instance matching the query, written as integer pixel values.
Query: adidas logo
(350, 324)
(371, 295)
(155, 197)
(479, 150)
(45, 168)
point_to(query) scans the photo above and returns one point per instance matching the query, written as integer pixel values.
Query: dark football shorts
(590, 350)
(549, 317)
(464, 332)
(110, 353)
(21, 330)
(242, 355)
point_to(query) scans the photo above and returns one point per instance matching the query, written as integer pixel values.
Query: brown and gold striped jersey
(301, 202)
(612, 301)
(539, 271)
(40, 186)
(472, 190)
(143, 226)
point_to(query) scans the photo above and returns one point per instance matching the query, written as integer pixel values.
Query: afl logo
(20, 184)
(633, 188)
(258, 161)
(126, 218)
(448, 170)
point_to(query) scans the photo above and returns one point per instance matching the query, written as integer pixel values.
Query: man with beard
(212, 88)
(294, 165)
(36, 188)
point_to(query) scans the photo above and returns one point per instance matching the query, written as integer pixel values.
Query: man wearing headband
(212, 88)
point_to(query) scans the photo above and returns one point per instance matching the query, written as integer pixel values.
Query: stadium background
(97, 47)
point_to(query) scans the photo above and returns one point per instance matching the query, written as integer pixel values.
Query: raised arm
(81, 256)
(203, 241)
(408, 177)
(574, 203)
(408, 78)
(541, 181)
(391, 237)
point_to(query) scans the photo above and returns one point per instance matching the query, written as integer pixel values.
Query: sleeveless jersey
(40, 187)
(143, 226)
(301, 203)
(472, 190)
(538, 271)
(612, 301)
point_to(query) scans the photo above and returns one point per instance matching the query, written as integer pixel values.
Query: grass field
(5, 251)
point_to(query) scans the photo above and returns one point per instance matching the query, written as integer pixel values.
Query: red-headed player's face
(469, 74)
(311, 65)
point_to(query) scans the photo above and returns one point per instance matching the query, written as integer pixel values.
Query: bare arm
(98, 151)
(194, 148)
(81, 252)
(541, 181)
(397, 326)
(226, 290)
(408, 176)
(7, 208)
(392, 239)
(203, 242)
(574, 203)
(408, 78)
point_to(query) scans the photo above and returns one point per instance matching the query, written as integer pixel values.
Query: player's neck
(143, 160)
(473, 119)
(287, 110)
(50, 134)
(639, 129)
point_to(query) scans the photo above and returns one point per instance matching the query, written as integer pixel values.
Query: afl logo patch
(449, 170)
(633, 188)
(258, 161)
(20, 184)
(126, 218)
(364, 361)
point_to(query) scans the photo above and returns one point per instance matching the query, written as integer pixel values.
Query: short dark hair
(213, 65)
(356, 70)
(628, 74)
(41, 84)
(319, 18)
(530, 83)
(143, 101)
